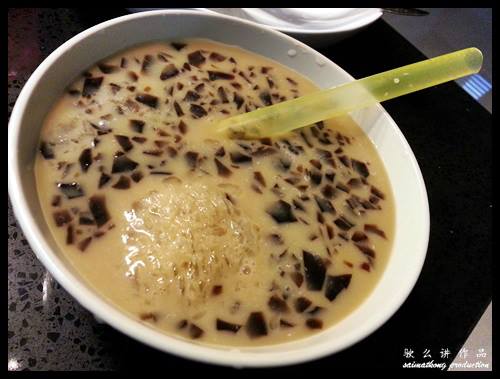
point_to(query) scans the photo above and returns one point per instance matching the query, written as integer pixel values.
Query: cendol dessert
(214, 239)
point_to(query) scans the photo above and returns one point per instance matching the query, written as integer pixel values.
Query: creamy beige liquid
(183, 240)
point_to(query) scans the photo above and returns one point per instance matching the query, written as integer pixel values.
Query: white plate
(314, 26)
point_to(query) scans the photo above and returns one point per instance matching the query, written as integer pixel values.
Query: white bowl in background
(316, 27)
(60, 68)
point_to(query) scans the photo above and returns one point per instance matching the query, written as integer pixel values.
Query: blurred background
(441, 31)
(447, 29)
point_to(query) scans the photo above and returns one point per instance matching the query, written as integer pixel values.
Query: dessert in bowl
(239, 252)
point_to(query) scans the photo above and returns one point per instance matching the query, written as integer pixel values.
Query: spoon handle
(405, 11)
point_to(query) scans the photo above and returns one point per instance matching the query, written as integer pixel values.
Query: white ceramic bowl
(314, 26)
(69, 60)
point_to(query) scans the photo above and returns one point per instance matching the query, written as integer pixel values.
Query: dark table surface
(451, 136)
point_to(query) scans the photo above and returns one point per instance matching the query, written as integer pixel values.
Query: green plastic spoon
(306, 110)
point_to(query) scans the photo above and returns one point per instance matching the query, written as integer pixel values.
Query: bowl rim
(118, 319)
